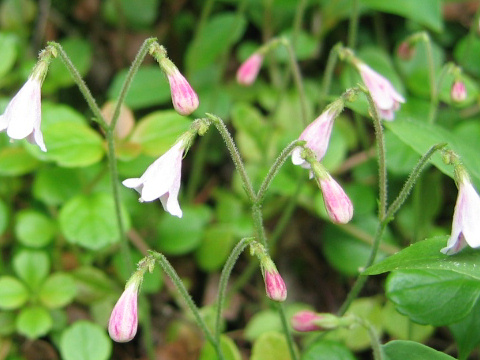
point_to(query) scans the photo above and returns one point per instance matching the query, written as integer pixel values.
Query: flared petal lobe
(162, 180)
(466, 224)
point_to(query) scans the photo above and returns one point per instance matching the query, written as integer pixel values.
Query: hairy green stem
(258, 224)
(353, 25)
(81, 85)
(374, 340)
(172, 274)
(286, 330)
(273, 171)
(327, 77)
(237, 160)
(222, 288)
(128, 80)
(431, 76)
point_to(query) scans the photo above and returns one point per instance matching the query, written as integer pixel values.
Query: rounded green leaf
(33, 228)
(229, 349)
(80, 53)
(9, 52)
(55, 185)
(72, 144)
(34, 322)
(180, 236)
(58, 290)
(270, 346)
(411, 350)
(93, 285)
(85, 341)
(157, 131)
(90, 221)
(149, 87)
(32, 266)
(215, 247)
(16, 161)
(13, 294)
(327, 350)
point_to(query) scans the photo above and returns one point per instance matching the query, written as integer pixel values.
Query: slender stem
(227, 270)
(286, 330)
(431, 75)
(206, 11)
(327, 77)
(112, 164)
(297, 21)
(172, 274)
(237, 160)
(276, 167)
(128, 80)
(407, 187)
(382, 166)
(297, 76)
(374, 341)
(434, 107)
(353, 26)
(81, 85)
(258, 224)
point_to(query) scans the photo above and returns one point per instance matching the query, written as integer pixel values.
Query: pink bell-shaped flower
(386, 98)
(338, 205)
(317, 137)
(22, 117)
(161, 180)
(458, 93)
(123, 323)
(466, 224)
(248, 71)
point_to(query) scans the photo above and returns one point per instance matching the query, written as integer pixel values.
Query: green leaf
(327, 350)
(270, 346)
(16, 161)
(425, 12)
(467, 332)
(92, 285)
(85, 341)
(90, 221)
(58, 290)
(13, 294)
(215, 247)
(148, 88)
(436, 297)
(34, 322)
(7, 323)
(229, 350)
(180, 236)
(72, 144)
(33, 228)
(403, 349)
(426, 255)
(9, 52)
(4, 215)
(32, 266)
(217, 36)
(80, 53)
(467, 52)
(420, 136)
(138, 15)
(50, 187)
(53, 113)
(157, 131)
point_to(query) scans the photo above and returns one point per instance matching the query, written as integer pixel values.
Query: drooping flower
(22, 117)
(466, 224)
(338, 205)
(248, 71)
(274, 285)
(458, 93)
(317, 137)
(123, 323)
(386, 98)
(184, 98)
(161, 180)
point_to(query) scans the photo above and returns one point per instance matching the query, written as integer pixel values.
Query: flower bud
(184, 98)
(123, 323)
(458, 93)
(406, 50)
(338, 205)
(248, 71)
(274, 285)
(306, 320)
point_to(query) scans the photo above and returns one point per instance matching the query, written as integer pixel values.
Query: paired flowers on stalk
(317, 136)
(23, 115)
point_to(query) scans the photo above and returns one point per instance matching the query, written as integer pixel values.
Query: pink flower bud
(248, 71)
(458, 92)
(405, 50)
(466, 224)
(22, 116)
(274, 285)
(184, 99)
(386, 98)
(338, 205)
(306, 321)
(123, 323)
